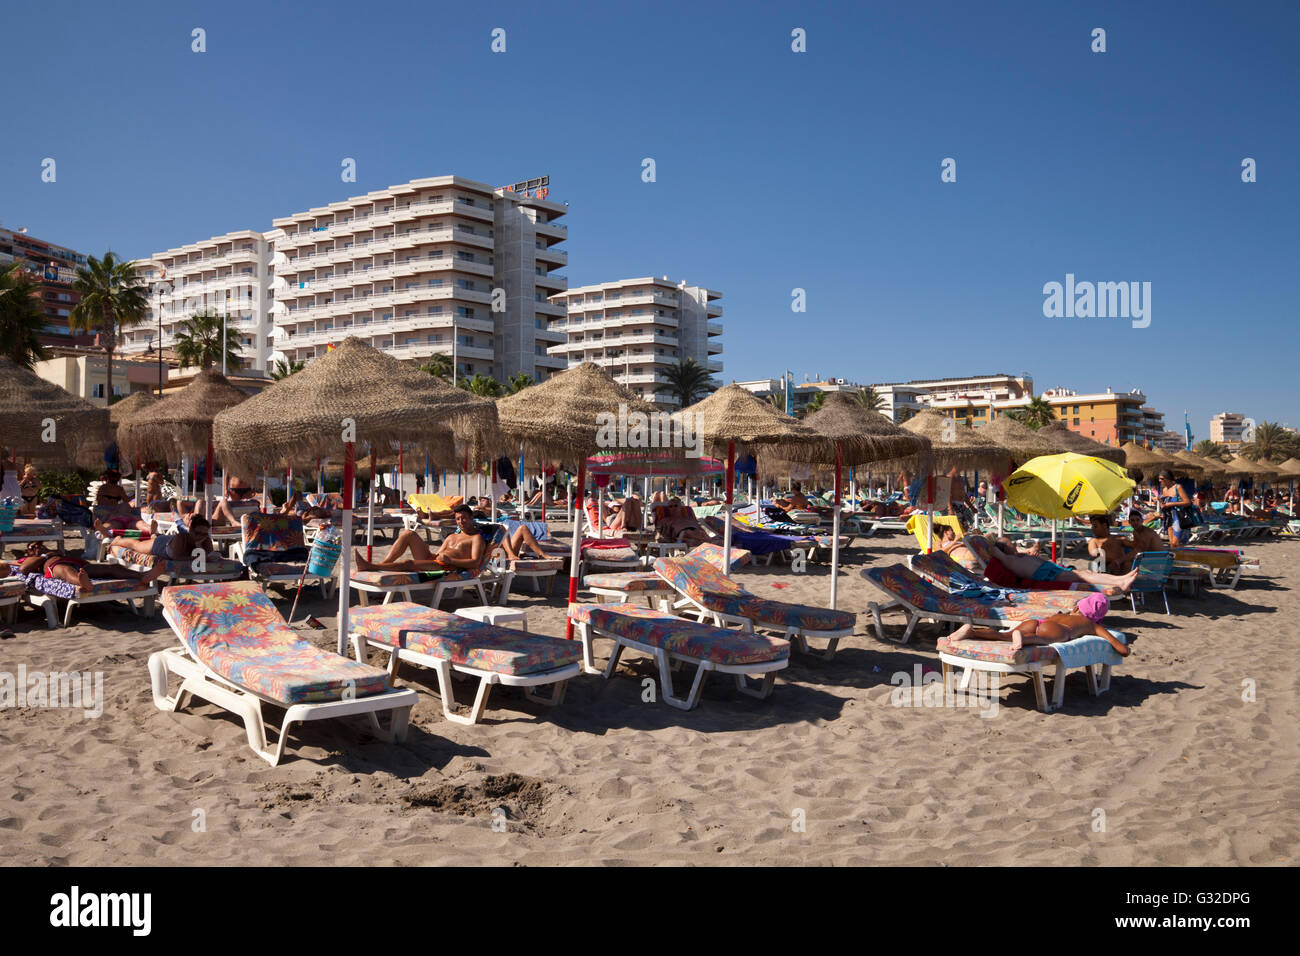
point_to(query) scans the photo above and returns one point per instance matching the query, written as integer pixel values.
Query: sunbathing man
(77, 571)
(1144, 539)
(1056, 629)
(462, 551)
(1103, 544)
(797, 501)
(1009, 569)
(178, 546)
(223, 514)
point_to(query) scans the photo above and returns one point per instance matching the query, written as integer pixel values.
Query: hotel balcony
(551, 281)
(714, 328)
(556, 257)
(553, 229)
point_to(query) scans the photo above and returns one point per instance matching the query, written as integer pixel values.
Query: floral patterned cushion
(271, 532)
(467, 643)
(937, 568)
(234, 629)
(677, 636)
(712, 553)
(705, 583)
(403, 579)
(997, 652)
(32, 529)
(979, 549)
(628, 581)
(899, 582)
(609, 555)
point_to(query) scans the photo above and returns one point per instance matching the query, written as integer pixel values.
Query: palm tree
(903, 415)
(199, 341)
(814, 405)
(21, 318)
(439, 364)
(1036, 414)
(517, 383)
(1271, 442)
(870, 399)
(690, 382)
(1208, 449)
(113, 298)
(777, 401)
(481, 384)
(284, 369)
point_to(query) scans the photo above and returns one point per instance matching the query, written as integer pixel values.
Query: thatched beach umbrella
(860, 436)
(568, 417)
(1023, 443)
(735, 417)
(1081, 444)
(354, 393)
(1143, 461)
(43, 422)
(1189, 464)
(955, 444)
(134, 403)
(1289, 468)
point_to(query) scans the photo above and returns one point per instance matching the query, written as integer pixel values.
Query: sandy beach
(1170, 767)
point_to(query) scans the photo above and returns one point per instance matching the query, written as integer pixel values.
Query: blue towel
(959, 585)
(1089, 650)
(538, 528)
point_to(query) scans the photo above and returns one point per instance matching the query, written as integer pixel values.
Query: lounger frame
(198, 680)
(1098, 676)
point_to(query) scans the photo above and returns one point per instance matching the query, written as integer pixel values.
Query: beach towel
(538, 528)
(1089, 649)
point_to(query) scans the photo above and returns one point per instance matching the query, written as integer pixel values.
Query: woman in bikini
(1056, 629)
(77, 571)
(29, 488)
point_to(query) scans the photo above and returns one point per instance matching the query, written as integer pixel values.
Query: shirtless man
(172, 547)
(237, 491)
(58, 567)
(1144, 539)
(1102, 544)
(1009, 569)
(1056, 629)
(463, 550)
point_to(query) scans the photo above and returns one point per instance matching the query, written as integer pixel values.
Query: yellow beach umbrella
(1061, 486)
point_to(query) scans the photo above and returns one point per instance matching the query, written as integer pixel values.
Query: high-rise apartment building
(1226, 429)
(53, 269)
(636, 329)
(228, 275)
(407, 267)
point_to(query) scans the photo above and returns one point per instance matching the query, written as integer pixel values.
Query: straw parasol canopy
(134, 403)
(736, 415)
(1186, 463)
(1024, 443)
(306, 416)
(1244, 467)
(1081, 444)
(862, 434)
(181, 423)
(1289, 468)
(1144, 461)
(46, 423)
(566, 417)
(955, 445)
(1212, 467)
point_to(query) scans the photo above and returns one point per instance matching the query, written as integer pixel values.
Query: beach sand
(1171, 766)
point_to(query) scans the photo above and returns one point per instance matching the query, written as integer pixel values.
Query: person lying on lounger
(515, 543)
(1057, 629)
(296, 504)
(461, 551)
(178, 546)
(1009, 569)
(58, 567)
(122, 517)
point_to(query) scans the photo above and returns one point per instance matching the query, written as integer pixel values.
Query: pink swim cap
(1094, 607)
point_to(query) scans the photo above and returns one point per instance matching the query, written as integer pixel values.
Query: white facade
(636, 329)
(400, 268)
(229, 275)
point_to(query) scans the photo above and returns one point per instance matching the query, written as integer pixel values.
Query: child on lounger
(1056, 629)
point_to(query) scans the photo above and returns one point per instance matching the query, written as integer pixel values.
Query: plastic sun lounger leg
(614, 655)
(1040, 690)
(913, 620)
(46, 603)
(555, 697)
(1090, 672)
(762, 691)
(666, 682)
(588, 653)
(1058, 686)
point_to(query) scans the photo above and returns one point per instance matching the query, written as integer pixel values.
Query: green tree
(481, 384)
(1036, 414)
(870, 399)
(904, 414)
(21, 318)
(284, 369)
(814, 405)
(1272, 442)
(113, 298)
(439, 364)
(517, 383)
(689, 382)
(198, 343)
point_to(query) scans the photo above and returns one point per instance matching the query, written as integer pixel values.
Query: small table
(489, 614)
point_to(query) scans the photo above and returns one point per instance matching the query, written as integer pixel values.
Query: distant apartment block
(408, 267)
(800, 393)
(53, 268)
(1226, 429)
(1172, 441)
(637, 329)
(1153, 427)
(228, 275)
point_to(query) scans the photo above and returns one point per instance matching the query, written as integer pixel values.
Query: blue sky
(775, 170)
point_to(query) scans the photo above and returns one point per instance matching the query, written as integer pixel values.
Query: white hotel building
(229, 275)
(399, 268)
(638, 328)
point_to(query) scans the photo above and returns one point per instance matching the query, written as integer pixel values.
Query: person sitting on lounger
(628, 516)
(515, 543)
(224, 513)
(296, 504)
(1103, 544)
(678, 523)
(110, 491)
(1144, 539)
(460, 552)
(79, 572)
(1009, 569)
(122, 517)
(796, 501)
(1056, 629)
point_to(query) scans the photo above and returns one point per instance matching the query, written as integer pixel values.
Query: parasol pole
(573, 554)
(835, 530)
(345, 573)
(600, 508)
(370, 509)
(541, 471)
(726, 528)
(494, 491)
(320, 478)
(207, 480)
(1053, 539)
(266, 495)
